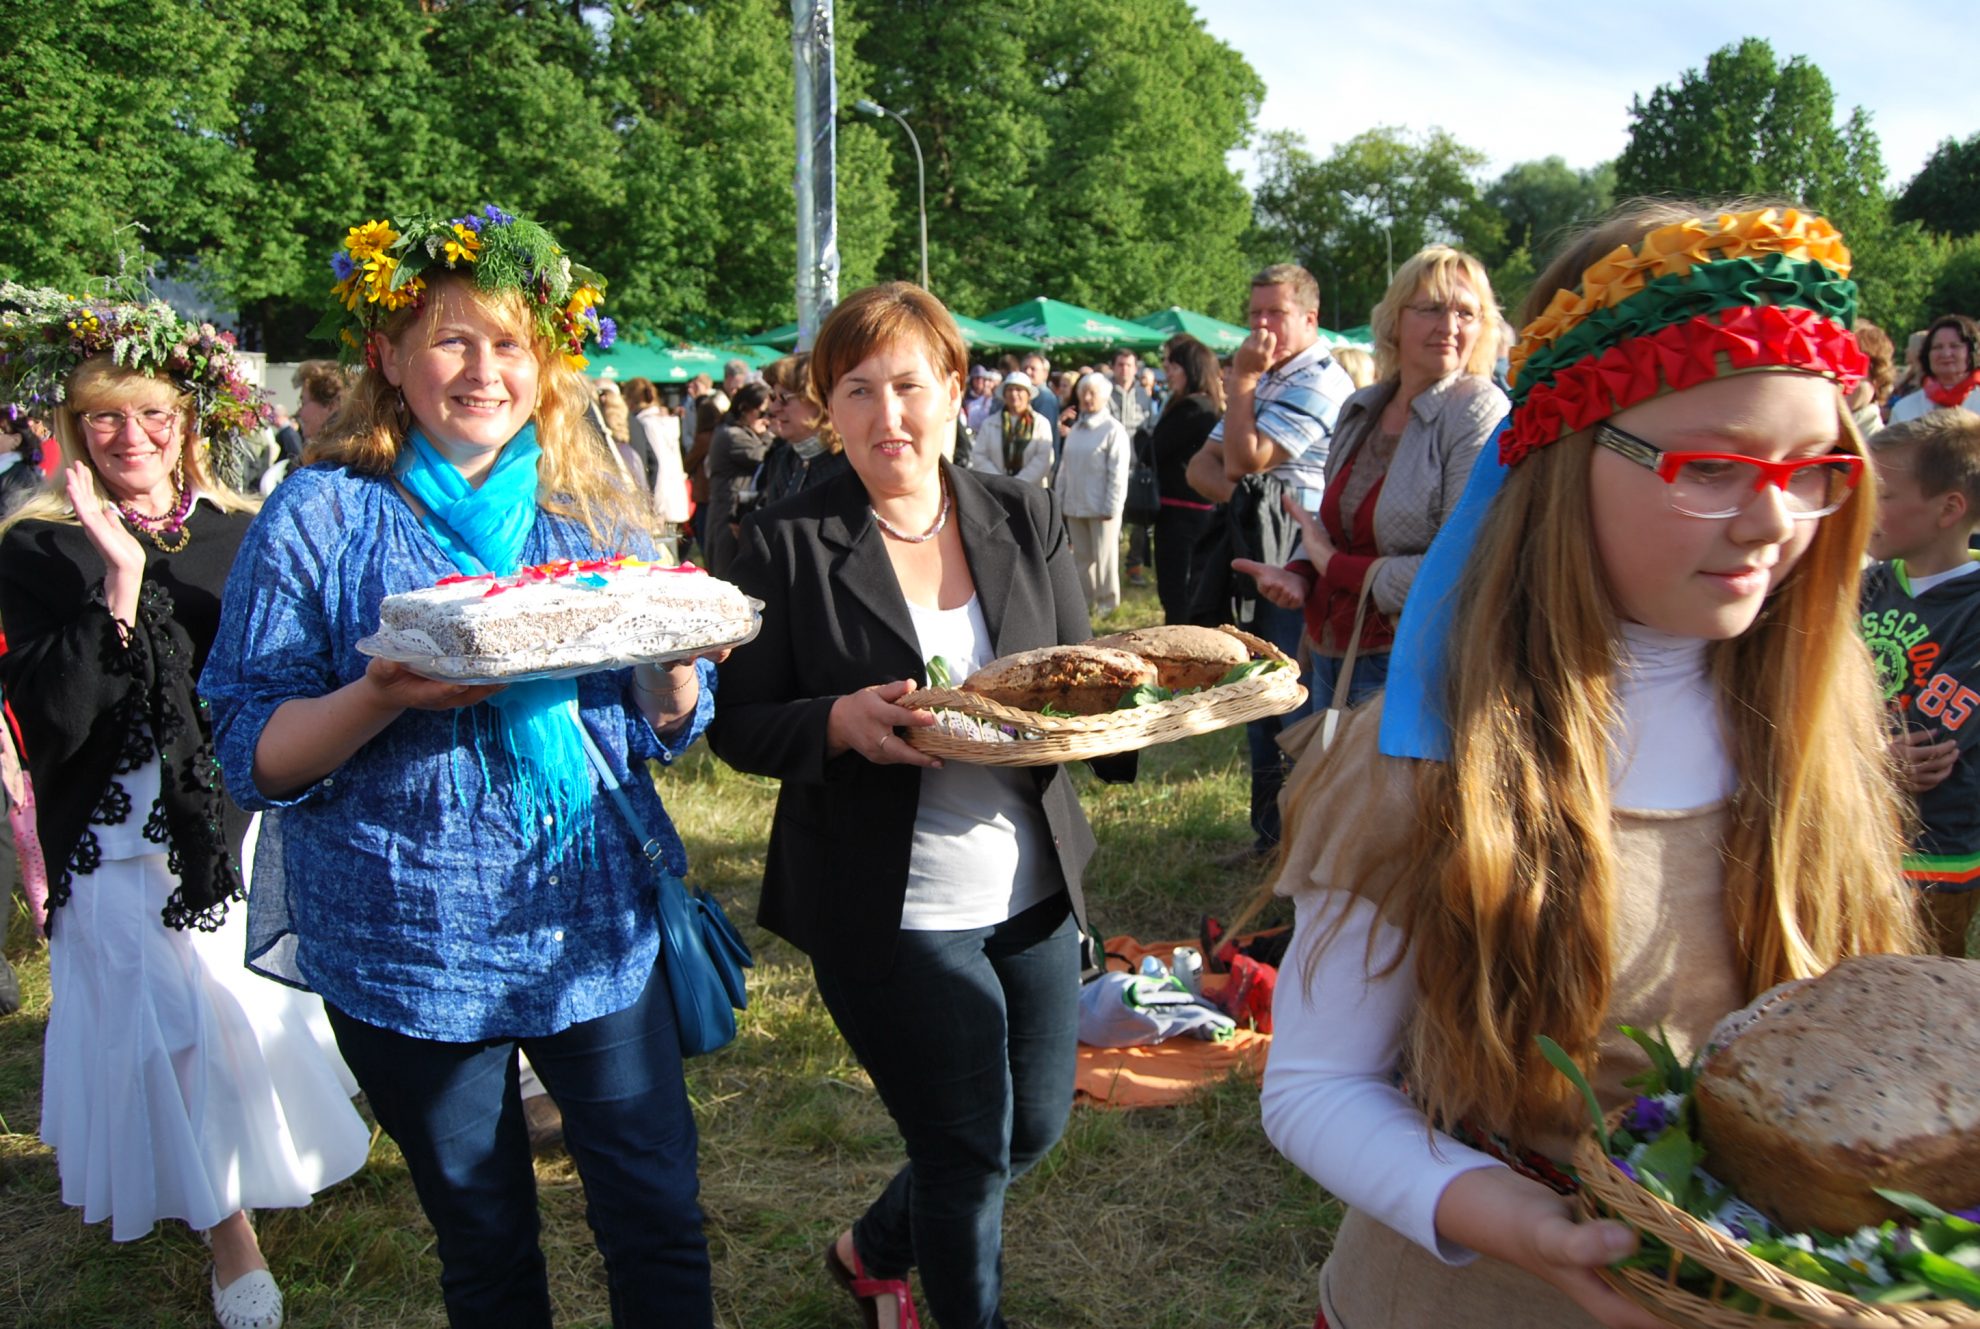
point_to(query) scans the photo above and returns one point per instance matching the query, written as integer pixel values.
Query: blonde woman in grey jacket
(1092, 484)
(1403, 449)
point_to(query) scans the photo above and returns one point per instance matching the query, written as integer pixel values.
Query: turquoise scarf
(482, 530)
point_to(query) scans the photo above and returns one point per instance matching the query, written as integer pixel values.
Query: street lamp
(1389, 247)
(866, 107)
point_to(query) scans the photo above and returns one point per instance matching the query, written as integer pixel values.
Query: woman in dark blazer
(939, 903)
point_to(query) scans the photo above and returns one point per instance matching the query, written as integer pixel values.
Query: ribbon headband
(1691, 302)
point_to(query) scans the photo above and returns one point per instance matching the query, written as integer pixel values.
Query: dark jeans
(1371, 675)
(969, 1039)
(1177, 532)
(455, 1111)
(1281, 627)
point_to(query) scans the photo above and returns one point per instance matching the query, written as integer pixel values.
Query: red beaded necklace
(168, 532)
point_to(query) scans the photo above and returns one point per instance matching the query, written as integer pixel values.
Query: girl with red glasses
(1628, 769)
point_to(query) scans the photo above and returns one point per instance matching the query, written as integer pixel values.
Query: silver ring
(882, 743)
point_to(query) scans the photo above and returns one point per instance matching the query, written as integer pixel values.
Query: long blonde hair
(97, 384)
(577, 478)
(1508, 895)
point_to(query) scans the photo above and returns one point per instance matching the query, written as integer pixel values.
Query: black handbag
(705, 955)
(1144, 496)
(1144, 489)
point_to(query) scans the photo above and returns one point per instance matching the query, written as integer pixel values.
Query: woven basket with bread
(1114, 694)
(1819, 1164)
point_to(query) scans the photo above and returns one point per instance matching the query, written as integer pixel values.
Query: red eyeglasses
(1721, 484)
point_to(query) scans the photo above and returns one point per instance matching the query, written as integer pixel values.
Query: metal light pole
(866, 107)
(1389, 247)
(817, 189)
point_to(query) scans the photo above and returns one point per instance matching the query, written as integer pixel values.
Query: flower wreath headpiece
(45, 334)
(382, 268)
(1701, 299)
(1693, 301)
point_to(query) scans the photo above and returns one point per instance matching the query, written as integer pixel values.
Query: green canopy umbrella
(979, 336)
(1219, 336)
(663, 361)
(1363, 336)
(1055, 323)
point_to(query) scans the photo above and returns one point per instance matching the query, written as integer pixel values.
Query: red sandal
(867, 1290)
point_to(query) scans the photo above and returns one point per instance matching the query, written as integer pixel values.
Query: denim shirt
(403, 887)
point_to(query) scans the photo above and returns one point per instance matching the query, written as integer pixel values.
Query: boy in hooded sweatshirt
(1921, 618)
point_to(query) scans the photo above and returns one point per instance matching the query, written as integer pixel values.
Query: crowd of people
(279, 871)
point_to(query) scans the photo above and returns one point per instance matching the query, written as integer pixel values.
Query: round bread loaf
(1866, 1077)
(1183, 656)
(1079, 680)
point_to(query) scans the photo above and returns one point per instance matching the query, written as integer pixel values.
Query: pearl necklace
(894, 532)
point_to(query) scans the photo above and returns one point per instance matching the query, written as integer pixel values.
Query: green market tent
(1363, 336)
(1056, 323)
(670, 362)
(979, 335)
(1219, 336)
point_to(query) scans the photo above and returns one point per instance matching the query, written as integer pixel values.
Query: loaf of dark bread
(1079, 680)
(1866, 1077)
(1183, 656)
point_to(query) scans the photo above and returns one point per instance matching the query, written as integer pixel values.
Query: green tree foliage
(1540, 201)
(1956, 288)
(1376, 199)
(1945, 194)
(1749, 125)
(105, 123)
(1076, 147)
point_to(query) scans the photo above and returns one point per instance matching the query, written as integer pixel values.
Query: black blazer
(834, 621)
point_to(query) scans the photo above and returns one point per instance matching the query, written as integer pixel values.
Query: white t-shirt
(982, 851)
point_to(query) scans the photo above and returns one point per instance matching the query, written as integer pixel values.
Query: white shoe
(251, 1301)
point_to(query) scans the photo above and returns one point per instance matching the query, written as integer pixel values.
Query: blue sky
(1523, 81)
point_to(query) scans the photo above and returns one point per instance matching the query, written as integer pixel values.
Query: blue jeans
(1281, 627)
(969, 1038)
(455, 1111)
(1371, 675)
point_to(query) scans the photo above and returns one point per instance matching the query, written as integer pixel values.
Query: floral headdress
(382, 268)
(1693, 301)
(45, 334)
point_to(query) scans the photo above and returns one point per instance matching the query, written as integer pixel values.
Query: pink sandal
(867, 1290)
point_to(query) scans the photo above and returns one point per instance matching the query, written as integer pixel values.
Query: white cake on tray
(563, 616)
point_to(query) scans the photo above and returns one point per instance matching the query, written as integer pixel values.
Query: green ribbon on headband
(1772, 279)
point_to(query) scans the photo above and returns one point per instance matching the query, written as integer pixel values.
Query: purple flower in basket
(1626, 1170)
(1970, 1215)
(1647, 1118)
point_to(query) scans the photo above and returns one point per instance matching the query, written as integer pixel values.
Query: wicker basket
(1606, 1192)
(1075, 738)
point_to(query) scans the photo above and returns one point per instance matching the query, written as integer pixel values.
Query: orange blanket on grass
(1165, 1073)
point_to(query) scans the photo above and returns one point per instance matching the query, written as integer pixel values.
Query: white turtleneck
(1330, 1101)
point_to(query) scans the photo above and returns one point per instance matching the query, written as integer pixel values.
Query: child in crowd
(1921, 618)
(1628, 769)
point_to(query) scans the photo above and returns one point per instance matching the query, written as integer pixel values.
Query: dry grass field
(1180, 1218)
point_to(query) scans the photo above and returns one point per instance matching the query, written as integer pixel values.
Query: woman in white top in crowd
(661, 435)
(1015, 441)
(1092, 484)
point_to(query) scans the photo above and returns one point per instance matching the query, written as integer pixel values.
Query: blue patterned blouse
(403, 887)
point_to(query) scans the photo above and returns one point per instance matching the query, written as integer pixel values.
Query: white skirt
(175, 1082)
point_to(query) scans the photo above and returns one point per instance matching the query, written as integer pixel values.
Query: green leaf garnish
(939, 674)
(1558, 1058)
(1250, 669)
(1143, 694)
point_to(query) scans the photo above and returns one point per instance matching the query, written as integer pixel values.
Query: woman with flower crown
(433, 865)
(1629, 769)
(170, 1087)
